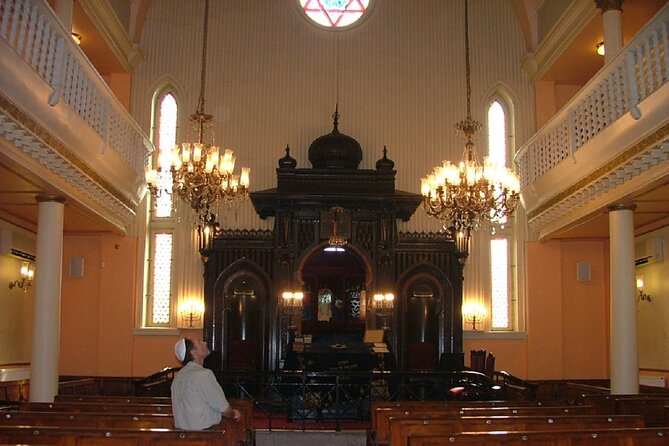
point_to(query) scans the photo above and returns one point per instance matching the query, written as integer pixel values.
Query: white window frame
(159, 225)
(508, 232)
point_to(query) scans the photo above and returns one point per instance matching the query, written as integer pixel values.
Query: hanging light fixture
(202, 175)
(468, 194)
(336, 242)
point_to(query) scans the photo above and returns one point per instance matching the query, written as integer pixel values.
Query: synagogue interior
(405, 200)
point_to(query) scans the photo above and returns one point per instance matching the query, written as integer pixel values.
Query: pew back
(402, 427)
(589, 437)
(382, 421)
(71, 436)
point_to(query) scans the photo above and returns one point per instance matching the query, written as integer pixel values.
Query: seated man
(198, 402)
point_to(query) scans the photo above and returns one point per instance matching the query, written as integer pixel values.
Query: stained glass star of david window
(335, 13)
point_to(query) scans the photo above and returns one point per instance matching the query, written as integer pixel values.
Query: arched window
(501, 242)
(159, 304)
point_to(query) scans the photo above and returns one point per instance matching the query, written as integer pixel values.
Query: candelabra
(474, 313)
(191, 312)
(292, 306)
(383, 306)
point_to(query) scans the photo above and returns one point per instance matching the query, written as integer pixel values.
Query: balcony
(608, 145)
(62, 130)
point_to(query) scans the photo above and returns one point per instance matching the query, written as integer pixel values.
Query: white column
(63, 9)
(44, 368)
(624, 366)
(613, 27)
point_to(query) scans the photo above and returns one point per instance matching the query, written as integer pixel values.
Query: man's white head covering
(180, 349)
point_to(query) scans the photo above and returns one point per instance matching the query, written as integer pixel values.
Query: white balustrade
(637, 72)
(35, 33)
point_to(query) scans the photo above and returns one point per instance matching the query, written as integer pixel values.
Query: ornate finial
(384, 163)
(335, 117)
(287, 162)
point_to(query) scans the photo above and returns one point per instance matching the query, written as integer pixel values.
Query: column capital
(43, 198)
(621, 207)
(609, 5)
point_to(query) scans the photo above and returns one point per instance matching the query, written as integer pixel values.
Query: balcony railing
(32, 30)
(639, 71)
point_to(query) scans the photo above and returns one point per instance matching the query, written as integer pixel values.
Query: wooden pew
(113, 399)
(89, 419)
(378, 407)
(75, 436)
(381, 434)
(95, 407)
(401, 427)
(116, 415)
(588, 437)
(649, 405)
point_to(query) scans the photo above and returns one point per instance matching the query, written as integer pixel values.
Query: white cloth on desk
(197, 398)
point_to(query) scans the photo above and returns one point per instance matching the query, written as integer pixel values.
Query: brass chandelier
(469, 194)
(202, 174)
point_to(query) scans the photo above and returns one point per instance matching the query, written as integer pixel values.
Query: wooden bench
(588, 437)
(649, 405)
(140, 415)
(382, 429)
(113, 399)
(95, 407)
(75, 436)
(378, 407)
(89, 419)
(401, 427)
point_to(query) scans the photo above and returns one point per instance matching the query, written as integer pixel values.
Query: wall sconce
(27, 272)
(474, 313)
(291, 301)
(191, 313)
(383, 304)
(600, 48)
(639, 286)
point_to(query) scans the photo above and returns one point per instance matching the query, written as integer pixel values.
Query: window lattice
(335, 13)
(162, 278)
(167, 138)
(499, 275)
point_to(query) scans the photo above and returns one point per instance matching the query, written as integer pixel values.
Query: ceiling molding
(558, 39)
(110, 27)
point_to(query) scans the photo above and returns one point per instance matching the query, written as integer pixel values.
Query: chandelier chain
(467, 64)
(203, 74)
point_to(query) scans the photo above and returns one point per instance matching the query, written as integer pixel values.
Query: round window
(335, 14)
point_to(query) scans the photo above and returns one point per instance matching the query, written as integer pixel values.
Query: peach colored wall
(97, 313)
(585, 310)
(567, 319)
(121, 85)
(80, 303)
(550, 98)
(544, 311)
(97, 309)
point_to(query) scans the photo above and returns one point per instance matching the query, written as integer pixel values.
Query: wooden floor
(310, 438)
